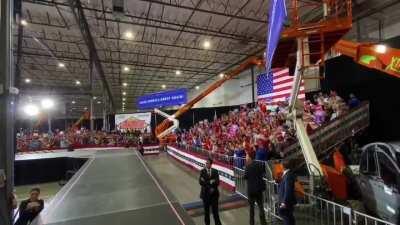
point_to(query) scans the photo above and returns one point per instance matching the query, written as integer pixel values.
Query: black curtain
(381, 89)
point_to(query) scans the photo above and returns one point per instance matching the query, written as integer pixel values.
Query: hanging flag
(276, 87)
(277, 16)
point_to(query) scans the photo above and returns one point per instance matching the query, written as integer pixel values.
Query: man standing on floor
(209, 181)
(254, 174)
(286, 192)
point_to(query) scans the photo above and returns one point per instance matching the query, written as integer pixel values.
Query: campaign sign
(162, 99)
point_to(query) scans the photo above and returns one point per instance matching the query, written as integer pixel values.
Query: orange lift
(317, 37)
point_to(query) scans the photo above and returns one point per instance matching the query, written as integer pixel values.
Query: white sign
(135, 121)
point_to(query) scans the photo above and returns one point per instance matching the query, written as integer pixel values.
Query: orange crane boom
(231, 74)
(374, 56)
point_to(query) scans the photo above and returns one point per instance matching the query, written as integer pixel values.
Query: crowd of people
(72, 138)
(264, 130)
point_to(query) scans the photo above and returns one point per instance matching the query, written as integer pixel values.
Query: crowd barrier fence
(311, 209)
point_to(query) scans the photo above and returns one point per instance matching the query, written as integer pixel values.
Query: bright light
(123, 99)
(123, 103)
(163, 86)
(31, 110)
(124, 84)
(381, 49)
(85, 108)
(221, 75)
(94, 97)
(207, 44)
(128, 35)
(77, 82)
(124, 93)
(126, 69)
(27, 80)
(197, 87)
(73, 102)
(178, 72)
(47, 103)
(98, 102)
(61, 65)
(24, 22)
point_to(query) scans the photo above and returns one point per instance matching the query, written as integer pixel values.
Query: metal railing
(311, 209)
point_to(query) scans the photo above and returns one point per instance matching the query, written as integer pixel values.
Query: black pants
(253, 198)
(287, 216)
(213, 203)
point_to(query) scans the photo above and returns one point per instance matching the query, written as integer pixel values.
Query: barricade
(311, 209)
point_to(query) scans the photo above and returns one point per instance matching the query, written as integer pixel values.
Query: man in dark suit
(287, 197)
(209, 181)
(254, 174)
(30, 208)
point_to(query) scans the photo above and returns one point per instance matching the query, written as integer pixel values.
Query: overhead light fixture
(61, 65)
(31, 110)
(197, 87)
(124, 93)
(163, 86)
(47, 103)
(123, 99)
(123, 103)
(27, 80)
(206, 44)
(126, 69)
(381, 49)
(98, 102)
(24, 22)
(124, 84)
(178, 72)
(128, 35)
(94, 97)
(77, 82)
(73, 102)
(221, 75)
(86, 108)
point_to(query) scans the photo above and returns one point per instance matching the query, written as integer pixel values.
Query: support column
(91, 82)
(49, 122)
(7, 112)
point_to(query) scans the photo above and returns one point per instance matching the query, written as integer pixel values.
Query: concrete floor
(179, 179)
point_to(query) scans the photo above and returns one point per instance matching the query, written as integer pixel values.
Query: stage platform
(114, 187)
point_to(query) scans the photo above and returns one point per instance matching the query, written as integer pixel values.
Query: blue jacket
(286, 190)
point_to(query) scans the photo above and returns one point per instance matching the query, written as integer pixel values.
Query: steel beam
(7, 112)
(80, 18)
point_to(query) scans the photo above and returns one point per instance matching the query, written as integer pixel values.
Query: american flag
(277, 87)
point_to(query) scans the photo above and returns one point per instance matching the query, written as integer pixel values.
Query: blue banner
(162, 99)
(277, 16)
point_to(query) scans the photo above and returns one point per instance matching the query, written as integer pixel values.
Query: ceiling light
(221, 75)
(128, 35)
(94, 97)
(47, 103)
(163, 86)
(124, 84)
(197, 87)
(77, 82)
(24, 22)
(73, 102)
(27, 80)
(124, 93)
(31, 110)
(381, 49)
(123, 99)
(126, 69)
(61, 65)
(85, 108)
(98, 102)
(178, 72)
(207, 44)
